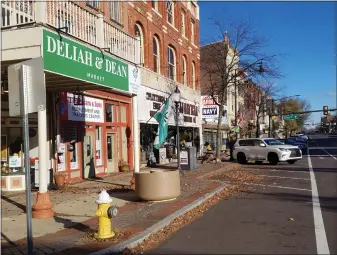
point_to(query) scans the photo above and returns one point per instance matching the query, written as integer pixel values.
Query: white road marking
(321, 240)
(285, 177)
(275, 186)
(321, 148)
(321, 158)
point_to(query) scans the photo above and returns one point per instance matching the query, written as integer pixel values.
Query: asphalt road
(280, 216)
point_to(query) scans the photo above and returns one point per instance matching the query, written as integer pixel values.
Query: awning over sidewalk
(72, 65)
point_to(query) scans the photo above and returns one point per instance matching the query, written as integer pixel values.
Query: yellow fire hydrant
(104, 213)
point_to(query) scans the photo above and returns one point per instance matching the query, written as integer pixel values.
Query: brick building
(169, 38)
(88, 57)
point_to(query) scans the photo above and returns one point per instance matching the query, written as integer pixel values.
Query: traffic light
(325, 110)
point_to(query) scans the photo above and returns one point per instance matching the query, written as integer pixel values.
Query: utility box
(188, 158)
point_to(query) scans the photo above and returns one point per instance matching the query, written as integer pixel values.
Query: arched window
(184, 70)
(139, 32)
(156, 54)
(171, 63)
(193, 74)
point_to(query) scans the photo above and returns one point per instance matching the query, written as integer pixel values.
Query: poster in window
(4, 148)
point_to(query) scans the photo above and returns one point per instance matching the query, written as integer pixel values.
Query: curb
(134, 241)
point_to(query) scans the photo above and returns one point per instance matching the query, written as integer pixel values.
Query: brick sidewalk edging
(68, 241)
(134, 241)
(140, 232)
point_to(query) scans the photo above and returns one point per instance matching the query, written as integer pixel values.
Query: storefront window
(61, 152)
(72, 147)
(99, 161)
(109, 113)
(123, 114)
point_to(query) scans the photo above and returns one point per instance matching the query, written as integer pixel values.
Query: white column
(201, 145)
(100, 30)
(41, 11)
(136, 138)
(43, 156)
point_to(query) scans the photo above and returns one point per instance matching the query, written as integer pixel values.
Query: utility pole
(235, 102)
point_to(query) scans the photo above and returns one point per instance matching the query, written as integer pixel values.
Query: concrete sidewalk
(73, 205)
(70, 230)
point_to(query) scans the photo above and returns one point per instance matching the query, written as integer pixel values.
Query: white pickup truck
(261, 149)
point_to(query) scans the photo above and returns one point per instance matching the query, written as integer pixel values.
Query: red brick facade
(154, 23)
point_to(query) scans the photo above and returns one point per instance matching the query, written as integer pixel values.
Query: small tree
(292, 106)
(220, 60)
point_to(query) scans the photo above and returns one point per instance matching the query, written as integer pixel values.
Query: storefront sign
(151, 100)
(83, 108)
(70, 58)
(134, 79)
(209, 108)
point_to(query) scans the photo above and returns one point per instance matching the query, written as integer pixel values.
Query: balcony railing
(17, 13)
(74, 20)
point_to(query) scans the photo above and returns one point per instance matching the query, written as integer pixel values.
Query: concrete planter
(157, 185)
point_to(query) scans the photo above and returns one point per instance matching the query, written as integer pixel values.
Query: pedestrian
(231, 146)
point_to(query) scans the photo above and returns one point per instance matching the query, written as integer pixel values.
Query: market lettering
(114, 68)
(65, 50)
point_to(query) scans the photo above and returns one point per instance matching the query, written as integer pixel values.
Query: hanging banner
(209, 108)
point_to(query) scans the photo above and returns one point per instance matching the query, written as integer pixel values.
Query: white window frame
(74, 165)
(169, 7)
(193, 75)
(183, 23)
(93, 3)
(99, 161)
(141, 37)
(184, 70)
(116, 15)
(171, 63)
(156, 56)
(155, 5)
(192, 31)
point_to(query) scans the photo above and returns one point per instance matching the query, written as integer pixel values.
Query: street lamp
(176, 96)
(272, 111)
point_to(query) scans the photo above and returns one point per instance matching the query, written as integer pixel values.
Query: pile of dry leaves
(155, 239)
(120, 235)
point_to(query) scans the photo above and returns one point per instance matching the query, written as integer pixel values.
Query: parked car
(269, 149)
(300, 143)
(303, 136)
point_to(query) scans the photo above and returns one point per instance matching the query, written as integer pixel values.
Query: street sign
(290, 117)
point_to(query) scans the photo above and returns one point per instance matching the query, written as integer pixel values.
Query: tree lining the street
(295, 105)
(222, 63)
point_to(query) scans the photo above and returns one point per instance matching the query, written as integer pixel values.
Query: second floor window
(156, 54)
(155, 5)
(139, 32)
(115, 11)
(183, 26)
(170, 12)
(184, 70)
(192, 31)
(93, 3)
(171, 63)
(193, 75)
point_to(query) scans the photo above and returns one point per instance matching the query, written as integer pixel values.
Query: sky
(304, 33)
